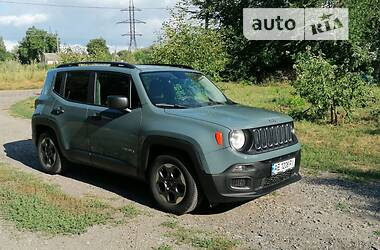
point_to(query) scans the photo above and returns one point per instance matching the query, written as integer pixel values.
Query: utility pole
(57, 40)
(132, 25)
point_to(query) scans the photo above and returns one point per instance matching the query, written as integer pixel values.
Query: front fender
(188, 145)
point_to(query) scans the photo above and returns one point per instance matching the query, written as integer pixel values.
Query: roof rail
(112, 64)
(171, 65)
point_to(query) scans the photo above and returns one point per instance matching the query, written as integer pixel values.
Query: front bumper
(218, 186)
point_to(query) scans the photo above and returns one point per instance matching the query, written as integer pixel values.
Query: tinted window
(186, 89)
(59, 79)
(77, 86)
(109, 83)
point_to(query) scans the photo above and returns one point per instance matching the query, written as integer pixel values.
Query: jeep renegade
(167, 125)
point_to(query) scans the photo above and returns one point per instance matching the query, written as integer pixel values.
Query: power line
(77, 6)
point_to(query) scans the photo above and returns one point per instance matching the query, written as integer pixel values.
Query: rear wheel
(50, 158)
(172, 185)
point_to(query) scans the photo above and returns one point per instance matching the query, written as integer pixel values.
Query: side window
(110, 83)
(76, 87)
(59, 80)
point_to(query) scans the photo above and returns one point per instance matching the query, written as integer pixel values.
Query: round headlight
(237, 139)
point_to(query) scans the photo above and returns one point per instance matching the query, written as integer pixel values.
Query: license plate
(283, 166)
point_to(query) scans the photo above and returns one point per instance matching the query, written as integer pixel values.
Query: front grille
(272, 137)
(273, 180)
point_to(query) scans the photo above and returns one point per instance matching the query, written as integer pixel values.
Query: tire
(173, 186)
(49, 155)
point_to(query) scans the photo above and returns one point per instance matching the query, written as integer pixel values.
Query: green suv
(167, 125)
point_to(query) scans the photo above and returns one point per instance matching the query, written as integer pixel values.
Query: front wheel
(172, 185)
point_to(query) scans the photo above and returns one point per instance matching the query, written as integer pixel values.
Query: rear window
(76, 88)
(59, 81)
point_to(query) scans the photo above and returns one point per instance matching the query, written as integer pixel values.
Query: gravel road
(319, 212)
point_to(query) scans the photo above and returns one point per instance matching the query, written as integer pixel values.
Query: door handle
(58, 111)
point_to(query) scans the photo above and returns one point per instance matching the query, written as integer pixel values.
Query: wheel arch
(156, 145)
(40, 125)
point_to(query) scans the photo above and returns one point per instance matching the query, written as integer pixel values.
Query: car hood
(233, 116)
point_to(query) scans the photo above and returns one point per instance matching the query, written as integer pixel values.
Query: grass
(341, 206)
(377, 233)
(164, 247)
(351, 149)
(130, 211)
(24, 108)
(14, 76)
(198, 238)
(170, 224)
(36, 206)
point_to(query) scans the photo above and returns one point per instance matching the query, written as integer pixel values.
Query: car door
(114, 134)
(70, 112)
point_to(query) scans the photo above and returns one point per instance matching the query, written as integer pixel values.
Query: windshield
(178, 89)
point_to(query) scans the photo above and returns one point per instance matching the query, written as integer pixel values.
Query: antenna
(132, 25)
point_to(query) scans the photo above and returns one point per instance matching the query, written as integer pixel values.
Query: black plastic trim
(218, 189)
(111, 64)
(189, 148)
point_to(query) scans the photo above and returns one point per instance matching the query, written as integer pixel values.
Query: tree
(328, 86)
(69, 55)
(251, 60)
(257, 59)
(126, 56)
(143, 56)
(3, 50)
(35, 43)
(138, 56)
(97, 49)
(365, 27)
(187, 44)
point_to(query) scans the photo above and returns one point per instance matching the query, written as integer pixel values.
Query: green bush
(375, 115)
(328, 86)
(68, 55)
(139, 56)
(194, 46)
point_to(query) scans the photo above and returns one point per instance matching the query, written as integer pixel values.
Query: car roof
(119, 66)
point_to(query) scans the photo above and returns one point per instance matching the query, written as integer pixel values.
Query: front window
(178, 89)
(113, 83)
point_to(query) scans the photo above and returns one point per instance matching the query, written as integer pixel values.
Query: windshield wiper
(212, 102)
(172, 106)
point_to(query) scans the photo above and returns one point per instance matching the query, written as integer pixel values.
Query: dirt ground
(319, 212)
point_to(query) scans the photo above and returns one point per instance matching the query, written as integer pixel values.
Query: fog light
(241, 168)
(241, 183)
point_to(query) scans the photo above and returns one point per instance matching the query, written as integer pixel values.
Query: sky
(76, 26)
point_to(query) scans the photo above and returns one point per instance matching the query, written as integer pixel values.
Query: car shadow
(25, 152)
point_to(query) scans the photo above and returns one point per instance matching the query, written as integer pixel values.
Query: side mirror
(117, 102)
